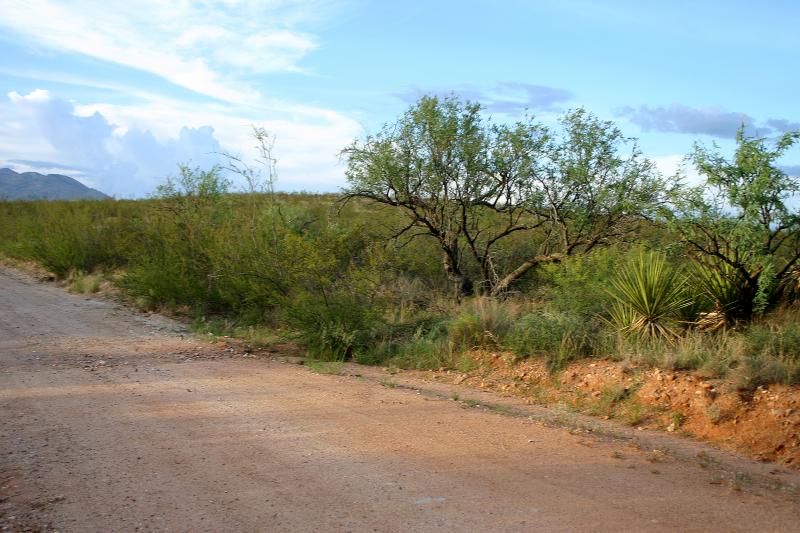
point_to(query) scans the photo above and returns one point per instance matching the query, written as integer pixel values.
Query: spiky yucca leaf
(723, 286)
(791, 285)
(648, 298)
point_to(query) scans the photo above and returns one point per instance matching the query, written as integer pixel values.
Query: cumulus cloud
(677, 165)
(117, 161)
(126, 150)
(508, 98)
(207, 47)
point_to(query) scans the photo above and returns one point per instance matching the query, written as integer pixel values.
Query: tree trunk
(462, 285)
(503, 285)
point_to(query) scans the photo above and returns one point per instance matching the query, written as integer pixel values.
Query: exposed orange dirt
(764, 425)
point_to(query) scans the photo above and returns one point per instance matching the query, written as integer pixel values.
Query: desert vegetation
(458, 233)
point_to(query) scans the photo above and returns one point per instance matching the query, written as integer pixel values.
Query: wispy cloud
(510, 98)
(792, 170)
(679, 118)
(715, 122)
(782, 125)
(206, 47)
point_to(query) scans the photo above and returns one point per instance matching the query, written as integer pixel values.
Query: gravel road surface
(116, 421)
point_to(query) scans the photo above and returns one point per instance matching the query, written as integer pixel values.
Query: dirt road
(112, 421)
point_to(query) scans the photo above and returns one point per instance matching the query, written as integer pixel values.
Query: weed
(466, 364)
(714, 413)
(81, 283)
(482, 323)
(558, 337)
(740, 480)
(499, 408)
(324, 367)
(634, 413)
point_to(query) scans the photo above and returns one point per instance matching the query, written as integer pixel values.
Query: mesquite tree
(470, 184)
(446, 167)
(743, 222)
(588, 191)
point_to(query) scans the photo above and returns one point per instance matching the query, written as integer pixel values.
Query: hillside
(35, 186)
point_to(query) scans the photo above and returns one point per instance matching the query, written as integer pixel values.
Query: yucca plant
(791, 285)
(649, 296)
(723, 287)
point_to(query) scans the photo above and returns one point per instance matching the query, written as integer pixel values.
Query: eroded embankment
(763, 424)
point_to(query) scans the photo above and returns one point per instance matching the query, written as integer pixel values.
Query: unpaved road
(111, 421)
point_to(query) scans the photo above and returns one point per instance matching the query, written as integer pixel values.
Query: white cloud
(217, 48)
(126, 150)
(675, 164)
(123, 163)
(174, 40)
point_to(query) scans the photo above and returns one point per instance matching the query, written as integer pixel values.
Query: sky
(118, 94)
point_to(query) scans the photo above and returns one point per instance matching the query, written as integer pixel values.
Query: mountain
(35, 186)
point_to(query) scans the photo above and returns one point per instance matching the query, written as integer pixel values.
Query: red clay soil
(764, 425)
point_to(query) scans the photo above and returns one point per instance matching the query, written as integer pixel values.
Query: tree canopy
(471, 183)
(743, 221)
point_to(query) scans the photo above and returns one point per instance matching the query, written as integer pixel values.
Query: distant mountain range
(35, 186)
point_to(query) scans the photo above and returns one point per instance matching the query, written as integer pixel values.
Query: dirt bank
(763, 424)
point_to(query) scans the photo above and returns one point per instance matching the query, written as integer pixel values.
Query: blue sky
(118, 93)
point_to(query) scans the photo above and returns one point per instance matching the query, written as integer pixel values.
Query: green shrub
(336, 330)
(579, 285)
(722, 294)
(481, 323)
(774, 352)
(555, 336)
(425, 351)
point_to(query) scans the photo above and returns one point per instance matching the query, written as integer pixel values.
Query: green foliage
(481, 323)
(722, 294)
(473, 186)
(490, 202)
(82, 283)
(649, 295)
(578, 285)
(774, 352)
(335, 331)
(741, 222)
(426, 349)
(92, 239)
(558, 337)
(325, 367)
